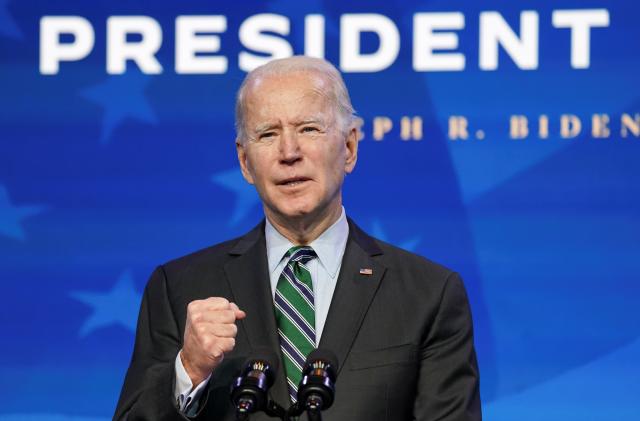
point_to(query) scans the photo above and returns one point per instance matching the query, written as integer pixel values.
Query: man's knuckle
(219, 302)
(228, 344)
(217, 352)
(208, 342)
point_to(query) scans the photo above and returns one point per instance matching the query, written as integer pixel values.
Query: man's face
(296, 153)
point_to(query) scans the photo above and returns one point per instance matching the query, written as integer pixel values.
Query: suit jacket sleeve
(448, 381)
(147, 393)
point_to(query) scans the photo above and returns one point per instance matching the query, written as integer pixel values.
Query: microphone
(317, 387)
(249, 389)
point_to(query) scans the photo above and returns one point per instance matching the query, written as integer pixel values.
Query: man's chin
(293, 213)
(296, 213)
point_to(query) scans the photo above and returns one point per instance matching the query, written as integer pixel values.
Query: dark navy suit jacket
(403, 335)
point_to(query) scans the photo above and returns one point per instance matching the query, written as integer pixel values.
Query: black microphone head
(249, 389)
(324, 359)
(316, 390)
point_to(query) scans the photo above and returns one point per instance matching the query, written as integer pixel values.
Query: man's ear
(242, 159)
(351, 143)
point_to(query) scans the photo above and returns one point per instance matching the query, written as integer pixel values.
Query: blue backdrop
(103, 176)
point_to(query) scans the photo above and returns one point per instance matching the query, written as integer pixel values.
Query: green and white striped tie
(295, 314)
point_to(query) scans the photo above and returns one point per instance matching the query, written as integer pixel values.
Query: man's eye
(308, 129)
(267, 135)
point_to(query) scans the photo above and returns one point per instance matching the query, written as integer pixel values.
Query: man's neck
(303, 230)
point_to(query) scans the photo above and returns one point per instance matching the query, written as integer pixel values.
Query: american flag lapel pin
(366, 271)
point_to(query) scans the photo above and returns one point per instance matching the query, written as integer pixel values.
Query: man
(398, 323)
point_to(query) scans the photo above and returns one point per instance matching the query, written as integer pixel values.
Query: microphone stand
(293, 412)
(313, 408)
(274, 410)
(243, 411)
(314, 415)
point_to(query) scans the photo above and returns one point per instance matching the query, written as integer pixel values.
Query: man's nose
(289, 147)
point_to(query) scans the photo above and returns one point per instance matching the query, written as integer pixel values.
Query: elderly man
(305, 277)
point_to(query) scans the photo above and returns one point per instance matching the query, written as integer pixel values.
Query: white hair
(296, 64)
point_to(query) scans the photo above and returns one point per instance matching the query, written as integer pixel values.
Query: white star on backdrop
(119, 306)
(11, 216)
(122, 97)
(245, 194)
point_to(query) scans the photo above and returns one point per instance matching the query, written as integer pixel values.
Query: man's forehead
(306, 82)
(303, 99)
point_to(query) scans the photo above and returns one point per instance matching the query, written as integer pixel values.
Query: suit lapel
(353, 294)
(248, 277)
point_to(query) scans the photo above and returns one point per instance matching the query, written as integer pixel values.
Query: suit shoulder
(407, 271)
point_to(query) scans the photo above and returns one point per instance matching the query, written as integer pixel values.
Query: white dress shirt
(329, 248)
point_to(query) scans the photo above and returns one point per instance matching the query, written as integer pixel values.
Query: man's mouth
(293, 181)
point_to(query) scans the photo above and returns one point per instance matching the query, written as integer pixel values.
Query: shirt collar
(329, 246)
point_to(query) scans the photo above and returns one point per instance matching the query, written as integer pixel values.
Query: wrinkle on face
(320, 92)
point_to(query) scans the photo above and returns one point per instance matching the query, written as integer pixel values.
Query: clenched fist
(210, 332)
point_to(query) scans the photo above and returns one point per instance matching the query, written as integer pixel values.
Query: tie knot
(300, 254)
